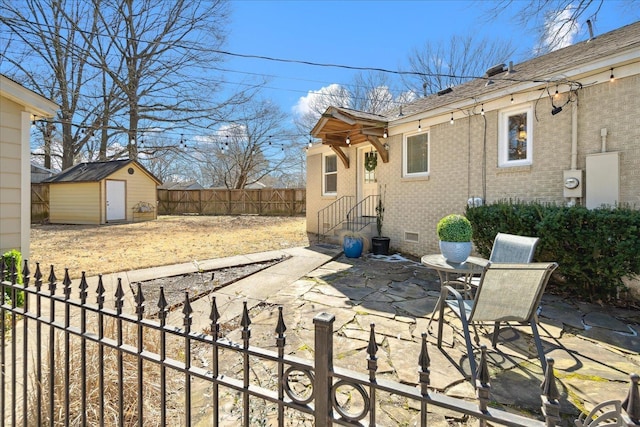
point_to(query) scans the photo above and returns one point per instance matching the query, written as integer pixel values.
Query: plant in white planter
(454, 232)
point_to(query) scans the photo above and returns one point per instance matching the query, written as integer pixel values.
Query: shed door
(115, 201)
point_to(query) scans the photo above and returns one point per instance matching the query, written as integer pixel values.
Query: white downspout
(574, 142)
(574, 136)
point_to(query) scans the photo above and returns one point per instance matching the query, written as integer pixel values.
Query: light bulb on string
(348, 140)
(512, 99)
(451, 121)
(419, 125)
(386, 133)
(482, 110)
(611, 77)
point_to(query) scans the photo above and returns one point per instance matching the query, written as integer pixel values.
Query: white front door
(367, 184)
(115, 201)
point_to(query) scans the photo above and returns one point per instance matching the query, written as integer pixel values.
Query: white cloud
(318, 100)
(560, 30)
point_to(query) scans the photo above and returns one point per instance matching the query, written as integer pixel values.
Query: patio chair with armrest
(507, 292)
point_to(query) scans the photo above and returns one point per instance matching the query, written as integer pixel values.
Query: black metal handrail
(363, 213)
(333, 215)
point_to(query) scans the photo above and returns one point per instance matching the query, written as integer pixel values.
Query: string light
(385, 134)
(419, 125)
(451, 121)
(556, 94)
(611, 77)
(482, 110)
(182, 141)
(348, 140)
(512, 99)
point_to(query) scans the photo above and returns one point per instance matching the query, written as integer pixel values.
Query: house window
(415, 161)
(516, 137)
(330, 175)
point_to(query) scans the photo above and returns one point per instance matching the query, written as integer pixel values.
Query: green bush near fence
(594, 248)
(13, 258)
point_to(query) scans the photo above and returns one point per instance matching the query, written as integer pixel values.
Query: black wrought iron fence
(135, 370)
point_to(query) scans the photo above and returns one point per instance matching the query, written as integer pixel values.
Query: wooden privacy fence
(39, 202)
(268, 201)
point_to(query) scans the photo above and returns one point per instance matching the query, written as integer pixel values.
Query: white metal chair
(507, 292)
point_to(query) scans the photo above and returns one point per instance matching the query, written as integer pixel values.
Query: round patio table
(463, 273)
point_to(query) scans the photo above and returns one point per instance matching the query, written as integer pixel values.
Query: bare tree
(49, 56)
(117, 67)
(557, 22)
(249, 149)
(443, 65)
(371, 92)
(163, 52)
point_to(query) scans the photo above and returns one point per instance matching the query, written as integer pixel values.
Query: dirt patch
(167, 240)
(197, 284)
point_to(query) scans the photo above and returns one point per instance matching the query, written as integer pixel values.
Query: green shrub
(595, 248)
(11, 258)
(454, 228)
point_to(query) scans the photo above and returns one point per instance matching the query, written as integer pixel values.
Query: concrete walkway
(595, 348)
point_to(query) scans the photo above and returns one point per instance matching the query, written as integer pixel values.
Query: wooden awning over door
(338, 124)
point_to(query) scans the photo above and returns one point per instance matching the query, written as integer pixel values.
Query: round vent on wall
(130, 170)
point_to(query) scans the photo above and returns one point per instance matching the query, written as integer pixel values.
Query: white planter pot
(455, 251)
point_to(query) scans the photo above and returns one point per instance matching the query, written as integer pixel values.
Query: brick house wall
(458, 159)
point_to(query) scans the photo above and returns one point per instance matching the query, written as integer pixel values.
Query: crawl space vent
(411, 236)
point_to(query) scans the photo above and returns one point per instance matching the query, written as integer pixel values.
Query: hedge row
(12, 262)
(595, 248)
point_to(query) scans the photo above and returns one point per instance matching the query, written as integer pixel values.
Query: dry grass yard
(168, 240)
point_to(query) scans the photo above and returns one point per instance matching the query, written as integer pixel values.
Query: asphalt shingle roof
(89, 172)
(542, 69)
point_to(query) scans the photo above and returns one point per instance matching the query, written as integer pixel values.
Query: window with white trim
(515, 141)
(329, 175)
(415, 155)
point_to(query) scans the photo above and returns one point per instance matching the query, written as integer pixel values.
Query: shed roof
(95, 171)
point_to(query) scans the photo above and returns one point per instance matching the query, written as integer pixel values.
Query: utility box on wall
(573, 183)
(603, 180)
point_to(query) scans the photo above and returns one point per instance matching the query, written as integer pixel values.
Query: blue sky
(368, 34)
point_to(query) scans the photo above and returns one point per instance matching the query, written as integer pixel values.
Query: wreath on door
(370, 160)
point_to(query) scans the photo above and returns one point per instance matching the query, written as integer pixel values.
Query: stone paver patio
(595, 348)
